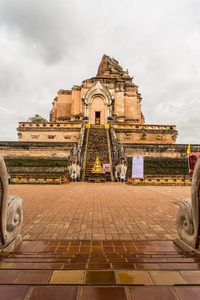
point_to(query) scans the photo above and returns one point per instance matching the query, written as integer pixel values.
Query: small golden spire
(97, 168)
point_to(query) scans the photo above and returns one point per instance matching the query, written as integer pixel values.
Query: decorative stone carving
(188, 217)
(76, 157)
(120, 172)
(11, 216)
(98, 89)
(74, 169)
(119, 158)
(174, 137)
(121, 152)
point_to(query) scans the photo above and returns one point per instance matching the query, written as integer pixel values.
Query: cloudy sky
(50, 45)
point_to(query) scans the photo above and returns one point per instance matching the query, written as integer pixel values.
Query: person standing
(9, 178)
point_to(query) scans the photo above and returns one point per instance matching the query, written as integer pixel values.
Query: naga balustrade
(188, 217)
(11, 215)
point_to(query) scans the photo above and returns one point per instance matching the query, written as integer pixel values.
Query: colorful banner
(192, 161)
(106, 167)
(138, 166)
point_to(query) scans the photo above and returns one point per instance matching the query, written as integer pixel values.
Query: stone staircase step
(99, 292)
(97, 146)
(110, 269)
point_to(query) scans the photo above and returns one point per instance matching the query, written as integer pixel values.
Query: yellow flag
(188, 149)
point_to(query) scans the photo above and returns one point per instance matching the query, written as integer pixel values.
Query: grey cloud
(46, 28)
(48, 45)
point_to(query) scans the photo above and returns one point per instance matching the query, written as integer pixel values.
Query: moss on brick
(165, 166)
(36, 162)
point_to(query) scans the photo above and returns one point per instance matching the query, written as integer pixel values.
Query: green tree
(37, 118)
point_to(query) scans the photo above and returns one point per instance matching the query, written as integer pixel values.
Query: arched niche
(97, 100)
(97, 111)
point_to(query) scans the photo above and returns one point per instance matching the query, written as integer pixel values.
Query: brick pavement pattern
(111, 211)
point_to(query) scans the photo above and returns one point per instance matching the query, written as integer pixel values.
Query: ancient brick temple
(109, 98)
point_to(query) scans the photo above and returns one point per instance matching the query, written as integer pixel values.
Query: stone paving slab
(111, 211)
(107, 270)
(105, 293)
(99, 292)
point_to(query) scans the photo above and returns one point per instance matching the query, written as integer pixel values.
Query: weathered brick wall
(145, 133)
(35, 149)
(160, 151)
(37, 170)
(162, 166)
(54, 149)
(50, 159)
(49, 131)
(32, 165)
(162, 160)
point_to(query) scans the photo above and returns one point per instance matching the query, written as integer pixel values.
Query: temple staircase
(97, 146)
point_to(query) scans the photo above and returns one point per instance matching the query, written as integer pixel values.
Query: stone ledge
(160, 180)
(12, 246)
(185, 247)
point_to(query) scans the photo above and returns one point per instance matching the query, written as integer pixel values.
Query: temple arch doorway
(97, 111)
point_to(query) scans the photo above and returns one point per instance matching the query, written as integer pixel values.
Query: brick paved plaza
(99, 241)
(111, 211)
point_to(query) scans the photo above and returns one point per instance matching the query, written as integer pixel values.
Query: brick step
(97, 252)
(92, 175)
(82, 270)
(97, 146)
(88, 171)
(61, 264)
(104, 253)
(98, 138)
(99, 260)
(101, 257)
(78, 292)
(97, 151)
(91, 162)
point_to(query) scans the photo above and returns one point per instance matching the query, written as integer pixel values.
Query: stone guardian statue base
(11, 215)
(188, 217)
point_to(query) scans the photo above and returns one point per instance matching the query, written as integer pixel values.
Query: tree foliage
(37, 118)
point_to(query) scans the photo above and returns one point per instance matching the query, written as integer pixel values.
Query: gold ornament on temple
(97, 168)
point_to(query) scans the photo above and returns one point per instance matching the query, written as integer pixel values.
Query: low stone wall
(162, 171)
(39, 179)
(46, 162)
(161, 180)
(51, 149)
(146, 134)
(35, 149)
(37, 170)
(162, 166)
(49, 131)
(160, 151)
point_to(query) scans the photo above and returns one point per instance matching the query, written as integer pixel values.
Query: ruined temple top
(109, 67)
